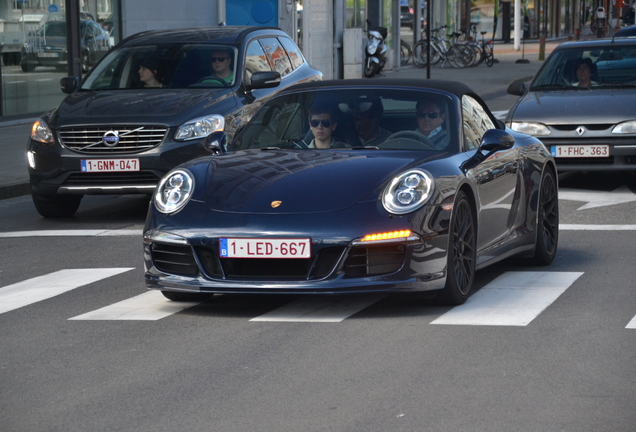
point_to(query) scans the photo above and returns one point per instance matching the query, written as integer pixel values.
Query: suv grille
(129, 139)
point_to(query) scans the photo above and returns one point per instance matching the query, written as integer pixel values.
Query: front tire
(547, 221)
(370, 69)
(56, 206)
(462, 244)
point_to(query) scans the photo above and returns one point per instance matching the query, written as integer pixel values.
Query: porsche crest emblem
(276, 204)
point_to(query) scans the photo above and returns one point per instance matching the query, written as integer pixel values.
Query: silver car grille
(100, 140)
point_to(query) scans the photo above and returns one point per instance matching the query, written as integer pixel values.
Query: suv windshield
(591, 68)
(166, 65)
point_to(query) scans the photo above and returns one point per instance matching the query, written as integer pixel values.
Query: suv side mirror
(260, 80)
(517, 88)
(69, 84)
(216, 142)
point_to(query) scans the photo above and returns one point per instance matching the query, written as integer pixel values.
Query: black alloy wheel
(547, 221)
(461, 253)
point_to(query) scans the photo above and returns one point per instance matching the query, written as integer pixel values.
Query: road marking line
(73, 233)
(43, 287)
(570, 227)
(316, 308)
(149, 306)
(512, 299)
(632, 324)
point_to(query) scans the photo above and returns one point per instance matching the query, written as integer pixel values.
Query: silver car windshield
(165, 66)
(588, 69)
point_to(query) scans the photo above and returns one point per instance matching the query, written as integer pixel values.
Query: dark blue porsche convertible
(354, 186)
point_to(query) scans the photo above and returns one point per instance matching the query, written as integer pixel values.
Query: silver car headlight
(174, 191)
(41, 132)
(200, 127)
(628, 127)
(530, 128)
(408, 191)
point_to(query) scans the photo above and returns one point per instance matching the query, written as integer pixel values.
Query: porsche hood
(276, 181)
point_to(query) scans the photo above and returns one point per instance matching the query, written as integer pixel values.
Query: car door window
(277, 56)
(293, 52)
(255, 59)
(475, 122)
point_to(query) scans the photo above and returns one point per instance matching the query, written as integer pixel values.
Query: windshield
(165, 66)
(376, 119)
(595, 68)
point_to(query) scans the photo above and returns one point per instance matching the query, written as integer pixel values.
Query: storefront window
(33, 43)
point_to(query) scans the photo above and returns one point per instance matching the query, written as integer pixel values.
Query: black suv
(113, 134)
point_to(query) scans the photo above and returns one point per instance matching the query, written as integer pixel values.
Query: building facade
(316, 25)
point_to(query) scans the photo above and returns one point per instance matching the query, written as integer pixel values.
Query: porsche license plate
(265, 248)
(109, 165)
(586, 151)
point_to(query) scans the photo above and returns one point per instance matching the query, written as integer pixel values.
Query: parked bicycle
(405, 52)
(441, 49)
(483, 49)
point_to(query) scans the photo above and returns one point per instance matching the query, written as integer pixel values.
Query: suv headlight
(530, 128)
(200, 127)
(628, 127)
(174, 191)
(408, 191)
(41, 132)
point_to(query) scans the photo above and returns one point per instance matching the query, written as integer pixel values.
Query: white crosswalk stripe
(512, 299)
(44, 287)
(321, 308)
(149, 306)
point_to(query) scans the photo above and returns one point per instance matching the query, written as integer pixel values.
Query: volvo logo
(580, 130)
(111, 138)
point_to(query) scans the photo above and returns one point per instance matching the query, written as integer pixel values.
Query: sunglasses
(325, 123)
(430, 114)
(218, 59)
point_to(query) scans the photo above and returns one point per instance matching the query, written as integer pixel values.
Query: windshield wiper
(365, 148)
(270, 148)
(553, 87)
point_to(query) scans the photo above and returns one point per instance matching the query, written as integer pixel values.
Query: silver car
(581, 105)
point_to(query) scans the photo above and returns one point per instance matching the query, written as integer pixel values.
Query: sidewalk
(490, 83)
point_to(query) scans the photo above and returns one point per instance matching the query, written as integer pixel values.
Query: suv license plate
(575, 151)
(110, 165)
(264, 248)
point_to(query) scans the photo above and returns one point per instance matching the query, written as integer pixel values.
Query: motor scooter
(375, 52)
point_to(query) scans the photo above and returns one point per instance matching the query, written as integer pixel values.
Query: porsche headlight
(530, 128)
(41, 132)
(628, 127)
(174, 191)
(200, 127)
(408, 191)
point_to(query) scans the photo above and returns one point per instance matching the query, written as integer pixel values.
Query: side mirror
(260, 80)
(216, 142)
(69, 84)
(517, 88)
(495, 140)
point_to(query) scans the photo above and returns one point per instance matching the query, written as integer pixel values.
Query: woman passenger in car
(148, 72)
(584, 68)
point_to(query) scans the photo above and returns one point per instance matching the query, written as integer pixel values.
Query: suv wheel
(55, 206)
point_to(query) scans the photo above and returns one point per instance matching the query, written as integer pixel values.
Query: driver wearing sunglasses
(222, 68)
(430, 118)
(322, 124)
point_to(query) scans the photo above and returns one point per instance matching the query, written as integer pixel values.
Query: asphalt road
(98, 357)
